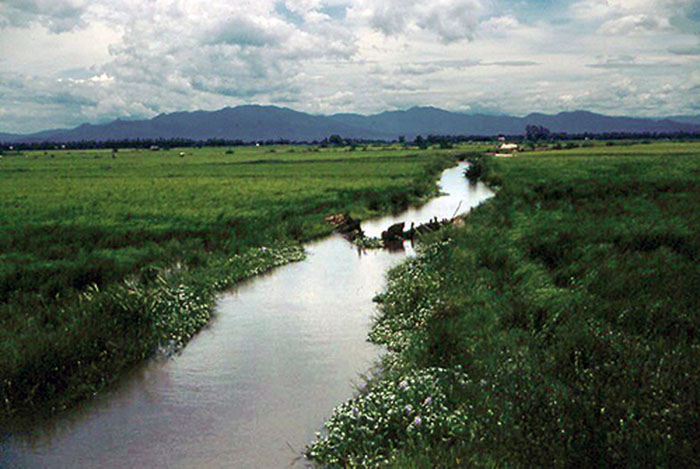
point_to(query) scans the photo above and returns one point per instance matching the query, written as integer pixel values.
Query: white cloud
(77, 60)
(419, 69)
(393, 16)
(450, 20)
(101, 78)
(57, 15)
(634, 24)
(631, 16)
(244, 31)
(499, 25)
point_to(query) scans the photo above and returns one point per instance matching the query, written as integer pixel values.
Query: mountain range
(253, 123)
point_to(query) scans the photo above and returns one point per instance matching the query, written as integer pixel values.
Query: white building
(506, 147)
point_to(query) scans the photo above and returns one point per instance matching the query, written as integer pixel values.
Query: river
(252, 388)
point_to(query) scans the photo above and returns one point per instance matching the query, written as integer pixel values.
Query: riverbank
(557, 327)
(108, 262)
(253, 387)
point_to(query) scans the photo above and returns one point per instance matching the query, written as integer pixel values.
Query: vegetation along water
(107, 257)
(559, 327)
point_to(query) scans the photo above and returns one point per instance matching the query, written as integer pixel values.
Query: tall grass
(565, 313)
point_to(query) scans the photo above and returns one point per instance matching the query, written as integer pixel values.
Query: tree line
(533, 133)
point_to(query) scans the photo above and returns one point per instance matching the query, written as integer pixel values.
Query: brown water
(251, 389)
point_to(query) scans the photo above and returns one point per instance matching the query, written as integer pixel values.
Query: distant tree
(336, 140)
(536, 133)
(402, 139)
(420, 142)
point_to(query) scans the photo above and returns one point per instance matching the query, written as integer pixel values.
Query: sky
(66, 62)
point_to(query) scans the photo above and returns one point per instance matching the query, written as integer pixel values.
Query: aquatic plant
(394, 413)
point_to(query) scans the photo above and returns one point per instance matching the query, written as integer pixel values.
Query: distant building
(154, 148)
(506, 147)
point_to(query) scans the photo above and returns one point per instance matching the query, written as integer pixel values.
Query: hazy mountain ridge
(253, 122)
(685, 119)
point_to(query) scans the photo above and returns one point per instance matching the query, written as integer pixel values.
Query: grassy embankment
(104, 261)
(559, 327)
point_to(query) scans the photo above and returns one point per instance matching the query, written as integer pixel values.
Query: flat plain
(107, 256)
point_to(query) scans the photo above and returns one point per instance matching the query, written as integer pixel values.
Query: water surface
(251, 389)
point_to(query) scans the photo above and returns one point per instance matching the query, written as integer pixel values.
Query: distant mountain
(584, 121)
(244, 122)
(686, 119)
(39, 136)
(430, 120)
(9, 137)
(252, 122)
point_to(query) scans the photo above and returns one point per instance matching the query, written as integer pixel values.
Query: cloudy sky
(65, 62)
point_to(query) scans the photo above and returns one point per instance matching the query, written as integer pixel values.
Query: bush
(475, 170)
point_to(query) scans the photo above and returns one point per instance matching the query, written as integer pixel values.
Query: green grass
(104, 261)
(560, 327)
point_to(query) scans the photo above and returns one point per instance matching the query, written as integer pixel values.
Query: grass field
(105, 258)
(558, 328)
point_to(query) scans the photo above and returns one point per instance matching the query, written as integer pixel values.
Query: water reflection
(251, 389)
(459, 197)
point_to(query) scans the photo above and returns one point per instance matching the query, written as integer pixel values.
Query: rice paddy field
(108, 257)
(558, 328)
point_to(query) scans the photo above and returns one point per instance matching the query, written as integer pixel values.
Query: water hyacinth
(254, 262)
(409, 301)
(366, 430)
(155, 312)
(398, 412)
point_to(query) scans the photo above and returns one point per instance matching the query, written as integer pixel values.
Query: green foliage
(571, 300)
(336, 140)
(475, 170)
(420, 142)
(362, 432)
(535, 133)
(105, 261)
